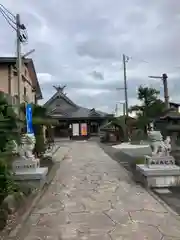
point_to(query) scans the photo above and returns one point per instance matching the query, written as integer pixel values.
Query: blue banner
(29, 122)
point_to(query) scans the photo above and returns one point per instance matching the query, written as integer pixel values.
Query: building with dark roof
(69, 114)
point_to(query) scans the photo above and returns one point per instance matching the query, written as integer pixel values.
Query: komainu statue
(158, 146)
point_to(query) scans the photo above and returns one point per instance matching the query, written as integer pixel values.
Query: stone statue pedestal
(28, 170)
(159, 176)
(27, 167)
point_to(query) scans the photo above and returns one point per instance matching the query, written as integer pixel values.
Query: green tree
(9, 132)
(9, 124)
(150, 108)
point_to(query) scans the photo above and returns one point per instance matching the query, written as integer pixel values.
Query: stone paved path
(92, 198)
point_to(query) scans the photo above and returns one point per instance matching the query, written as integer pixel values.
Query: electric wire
(2, 6)
(6, 14)
(7, 19)
(4, 11)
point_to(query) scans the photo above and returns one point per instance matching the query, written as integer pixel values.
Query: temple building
(82, 122)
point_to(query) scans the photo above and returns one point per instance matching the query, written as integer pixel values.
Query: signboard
(29, 122)
(84, 129)
(75, 129)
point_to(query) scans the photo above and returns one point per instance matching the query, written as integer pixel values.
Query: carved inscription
(159, 160)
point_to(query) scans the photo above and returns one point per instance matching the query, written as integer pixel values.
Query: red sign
(84, 129)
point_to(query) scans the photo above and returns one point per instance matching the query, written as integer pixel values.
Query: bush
(7, 185)
(140, 161)
(40, 142)
(50, 134)
(9, 136)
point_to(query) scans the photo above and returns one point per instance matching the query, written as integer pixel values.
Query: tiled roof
(79, 112)
(75, 112)
(172, 104)
(61, 95)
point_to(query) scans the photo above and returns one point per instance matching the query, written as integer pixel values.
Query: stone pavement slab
(93, 198)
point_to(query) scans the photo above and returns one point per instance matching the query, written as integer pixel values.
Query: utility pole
(166, 95)
(164, 78)
(124, 109)
(19, 60)
(21, 37)
(125, 60)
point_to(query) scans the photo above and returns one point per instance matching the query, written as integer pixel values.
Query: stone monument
(27, 167)
(159, 170)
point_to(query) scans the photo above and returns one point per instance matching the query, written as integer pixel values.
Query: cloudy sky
(80, 43)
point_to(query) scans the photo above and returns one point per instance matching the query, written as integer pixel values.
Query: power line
(7, 15)
(2, 6)
(8, 19)
(23, 36)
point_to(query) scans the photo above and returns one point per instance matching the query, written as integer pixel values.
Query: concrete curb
(165, 205)
(42, 190)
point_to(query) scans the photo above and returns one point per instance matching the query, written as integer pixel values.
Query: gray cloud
(97, 75)
(79, 43)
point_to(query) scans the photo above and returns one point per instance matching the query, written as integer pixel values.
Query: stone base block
(31, 174)
(21, 164)
(159, 176)
(154, 161)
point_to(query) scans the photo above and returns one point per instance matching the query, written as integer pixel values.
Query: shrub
(40, 143)
(140, 161)
(9, 136)
(40, 119)
(7, 185)
(50, 134)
